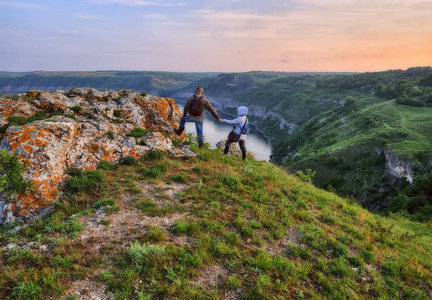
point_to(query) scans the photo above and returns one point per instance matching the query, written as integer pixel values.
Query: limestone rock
(10, 108)
(183, 152)
(398, 167)
(42, 146)
(80, 138)
(48, 101)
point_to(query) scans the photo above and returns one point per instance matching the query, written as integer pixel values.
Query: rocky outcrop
(84, 127)
(399, 167)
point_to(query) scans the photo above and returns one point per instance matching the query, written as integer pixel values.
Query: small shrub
(116, 113)
(171, 275)
(84, 181)
(17, 120)
(64, 262)
(156, 234)
(138, 132)
(11, 171)
(340, 250)
(21, 120)
(110, 134)
(248, 231)
(26, 290)
(155, 155)
(105, 165)
(230, 180)
(393, 286)
(70, 116)
(355, 261)
(255, 225)
(180, 228)
(340, 267)
(143, 94)
(129, 160)
(368, 256)
(196, 169)
(390, 268)
(184, 228)
(298, 251)
(136, 191)
(191, 261)
(234, 282)
(163, 165)
(76, 108)
(110, 202)
(145, 254)
(306, 177)
(232, 238)
(152, 173)
(181, 178)
(203, 156)
(104, 222)
(146, 205)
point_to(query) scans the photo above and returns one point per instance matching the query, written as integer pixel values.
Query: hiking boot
(226, 149)
(179, 131)
(200, 144)
(243, 155)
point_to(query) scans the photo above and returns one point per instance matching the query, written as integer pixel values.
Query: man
(194, 112)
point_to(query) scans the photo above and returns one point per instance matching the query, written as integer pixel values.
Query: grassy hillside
(211, 227)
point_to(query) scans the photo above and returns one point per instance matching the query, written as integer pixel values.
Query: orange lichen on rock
(96, 134)
(9, 107)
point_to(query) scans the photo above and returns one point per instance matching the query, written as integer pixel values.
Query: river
(215, 131)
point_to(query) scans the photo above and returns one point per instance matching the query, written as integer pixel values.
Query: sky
(215, 35)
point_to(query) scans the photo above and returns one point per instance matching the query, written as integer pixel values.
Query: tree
(384, 91)
(426, 81)
(350, 101)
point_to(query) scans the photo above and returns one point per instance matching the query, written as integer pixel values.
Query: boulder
(42, 146)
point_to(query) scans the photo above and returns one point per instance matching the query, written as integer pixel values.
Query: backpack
(196, 106)
(246, 127)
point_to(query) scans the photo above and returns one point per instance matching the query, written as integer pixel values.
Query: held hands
(219, 120)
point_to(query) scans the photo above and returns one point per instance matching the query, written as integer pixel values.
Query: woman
(239, 124)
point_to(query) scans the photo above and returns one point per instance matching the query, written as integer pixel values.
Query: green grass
(258, 231)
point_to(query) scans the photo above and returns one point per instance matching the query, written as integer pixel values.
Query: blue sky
(218, 35)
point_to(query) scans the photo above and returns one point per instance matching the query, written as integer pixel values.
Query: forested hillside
(375, 146)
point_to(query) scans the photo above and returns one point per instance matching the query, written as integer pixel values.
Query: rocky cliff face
(399, 167)
(84, 127)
